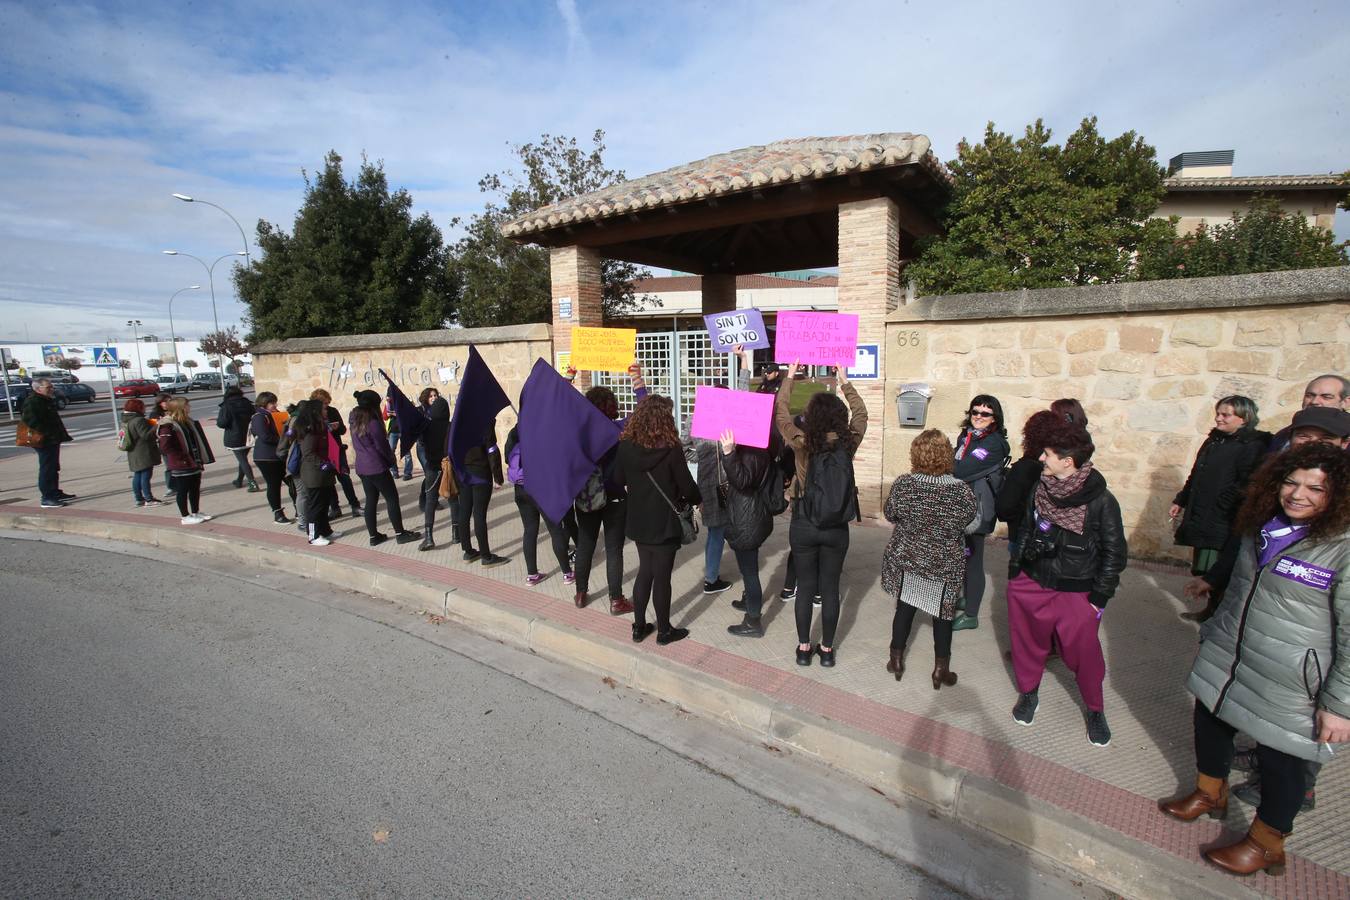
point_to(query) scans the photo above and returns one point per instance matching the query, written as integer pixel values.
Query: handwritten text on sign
(819, 339)
(745, 326)
(603, 349)
(745, 414)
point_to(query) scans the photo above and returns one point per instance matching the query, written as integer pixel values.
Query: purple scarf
(1277, 536)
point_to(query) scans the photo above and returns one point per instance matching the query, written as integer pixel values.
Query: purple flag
(480, 399)
(411, 420)
(562, 437)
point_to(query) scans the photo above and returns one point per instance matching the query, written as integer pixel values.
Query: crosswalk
(85, 433)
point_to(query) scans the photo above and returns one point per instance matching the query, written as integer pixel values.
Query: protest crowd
(1267, 518)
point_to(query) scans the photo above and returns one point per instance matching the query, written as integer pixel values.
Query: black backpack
(831, 496)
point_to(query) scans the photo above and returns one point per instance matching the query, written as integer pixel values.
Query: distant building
(1201, 187)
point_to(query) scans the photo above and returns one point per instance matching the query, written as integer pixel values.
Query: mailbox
(911, 404)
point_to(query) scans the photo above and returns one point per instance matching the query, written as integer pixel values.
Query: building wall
(413, 360)
(1217, 207)
(1148, 361)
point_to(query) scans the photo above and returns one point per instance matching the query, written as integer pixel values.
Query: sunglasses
(980, 414)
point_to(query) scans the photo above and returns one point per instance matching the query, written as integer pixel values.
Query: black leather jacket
(1091, 561)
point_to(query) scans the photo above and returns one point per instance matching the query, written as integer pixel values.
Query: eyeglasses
(980, 414)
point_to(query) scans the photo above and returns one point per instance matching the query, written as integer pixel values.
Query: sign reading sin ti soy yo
(744, 327)
(744, 414)
(603, 349)
(817, 339)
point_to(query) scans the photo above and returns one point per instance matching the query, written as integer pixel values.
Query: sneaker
(279, 517)
(51, 504)
(816, 602)
(356, 512)
(377, 539)
(320, 541)
(64, 496)
(153, 502)
(170, 493)
(747, 628)
(569, 578)
(191, 519)
(407, 537)
(739, 604)
(963, 622)
(532, 580)
(491, 559)
(788, 594)
(1024, 713)
(1099, 733)
(671, 636)
(471, 555)
(203, 516)
(140, 503)
(715, 587)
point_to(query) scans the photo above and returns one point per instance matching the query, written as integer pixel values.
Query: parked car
(174, 384)
(71, 393)
(136, 387)
(206, 381)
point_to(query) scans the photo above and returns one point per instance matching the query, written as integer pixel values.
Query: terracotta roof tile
(1254, 182)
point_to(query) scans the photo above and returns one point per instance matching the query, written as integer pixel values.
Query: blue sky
(108, 108)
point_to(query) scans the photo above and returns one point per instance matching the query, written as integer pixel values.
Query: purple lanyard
(1277, 536)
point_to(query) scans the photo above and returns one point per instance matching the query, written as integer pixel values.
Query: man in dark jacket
(1073, 551)
(40, 415)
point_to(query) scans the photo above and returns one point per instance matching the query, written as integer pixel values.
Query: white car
(173, 384)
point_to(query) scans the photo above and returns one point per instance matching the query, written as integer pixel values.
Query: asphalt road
(166, 731)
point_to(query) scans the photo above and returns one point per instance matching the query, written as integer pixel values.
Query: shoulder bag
(688, 527)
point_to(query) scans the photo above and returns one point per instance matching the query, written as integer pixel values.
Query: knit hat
(1328, 418)
(369, 399)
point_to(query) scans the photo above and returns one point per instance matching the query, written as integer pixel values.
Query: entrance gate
(674, 363)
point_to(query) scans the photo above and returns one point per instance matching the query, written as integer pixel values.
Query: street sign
(105, 357)
(865, 365)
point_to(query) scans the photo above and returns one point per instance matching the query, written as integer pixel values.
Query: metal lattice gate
(674, 363)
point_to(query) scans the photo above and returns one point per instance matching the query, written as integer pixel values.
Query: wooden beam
(653, 256)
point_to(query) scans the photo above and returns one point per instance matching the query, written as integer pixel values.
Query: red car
(137, 387)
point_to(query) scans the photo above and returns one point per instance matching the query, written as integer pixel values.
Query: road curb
(1101, 854)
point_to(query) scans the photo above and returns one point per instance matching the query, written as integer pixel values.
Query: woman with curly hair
(1025, 474)
(924, 564)
(1274, 661)
(650, 465)
(824, 501)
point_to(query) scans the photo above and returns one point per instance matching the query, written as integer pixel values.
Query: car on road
(174, 384)
(72, 393)
(206, 381)
(136, 387)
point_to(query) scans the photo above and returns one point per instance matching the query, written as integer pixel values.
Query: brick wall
(574, 273)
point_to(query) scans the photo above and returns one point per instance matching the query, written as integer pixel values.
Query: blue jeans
(712, 551)
(140, 485)
(407, 460)
(49, 471)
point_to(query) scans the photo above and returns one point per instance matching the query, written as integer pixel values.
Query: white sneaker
(320, 542)
(191, 519)
(203, 517)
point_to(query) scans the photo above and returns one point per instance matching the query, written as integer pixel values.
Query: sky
(107, 109)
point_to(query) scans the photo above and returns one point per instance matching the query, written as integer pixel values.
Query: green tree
(502, 282)
(1028, 213)
(1264, 239)
(69, 363)
(155, 363)
(190, 363)
(357, 262)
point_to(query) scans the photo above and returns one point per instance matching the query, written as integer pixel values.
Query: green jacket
(144, 452)
(39, 414)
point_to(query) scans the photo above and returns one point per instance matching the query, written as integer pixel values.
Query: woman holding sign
(824, 501)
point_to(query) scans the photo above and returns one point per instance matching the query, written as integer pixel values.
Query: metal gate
(674, 363)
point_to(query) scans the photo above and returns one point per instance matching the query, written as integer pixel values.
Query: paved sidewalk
(970, 726)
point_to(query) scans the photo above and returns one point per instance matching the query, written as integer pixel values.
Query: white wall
(29, 357)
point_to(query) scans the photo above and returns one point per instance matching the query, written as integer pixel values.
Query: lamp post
(211, 280)
(173, 336)
(186, 199)
(136, 339)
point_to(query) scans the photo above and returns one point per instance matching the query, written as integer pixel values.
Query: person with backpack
(982, 456)
(316, 446)
(267, 426)
(824, 502)
(341, 470)
(924, 563)
(186, 454)
(233, 418)
(660, 492)
(602, 504)
(138, 441)
(374, 459)
(530, 514)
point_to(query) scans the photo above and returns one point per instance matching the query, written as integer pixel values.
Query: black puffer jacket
(748, 522)
(1091, 561)
(236, 412)
(1214, 490)
(1016, 491)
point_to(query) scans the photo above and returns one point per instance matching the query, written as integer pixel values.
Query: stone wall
(1147, 360)
(414, 360)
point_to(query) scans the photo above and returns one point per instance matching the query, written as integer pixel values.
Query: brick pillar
(574, 273)
(719, 293)
(869, 287)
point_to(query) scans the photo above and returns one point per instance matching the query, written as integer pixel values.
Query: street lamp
(211, 280)
(173, 336)
(186, 199)
(136, 339)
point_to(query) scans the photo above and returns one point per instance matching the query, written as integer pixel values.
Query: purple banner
(1305, 573)
(738, 326)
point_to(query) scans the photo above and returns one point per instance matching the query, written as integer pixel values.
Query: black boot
(749, 627)
(427, 542)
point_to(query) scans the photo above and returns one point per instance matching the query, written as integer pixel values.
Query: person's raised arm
(782, 410)
(857, 410)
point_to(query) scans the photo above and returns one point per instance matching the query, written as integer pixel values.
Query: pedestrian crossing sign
(105, 357)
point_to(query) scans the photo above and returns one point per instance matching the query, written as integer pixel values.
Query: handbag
(723, 488)
(449, 487)
(688, 527)
(27, 437)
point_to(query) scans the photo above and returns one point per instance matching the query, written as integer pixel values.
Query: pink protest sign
(815, 338)
(746, 415)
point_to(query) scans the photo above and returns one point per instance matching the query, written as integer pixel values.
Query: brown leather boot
(1262, 848)
(1210, 798)
(896, 664)
(581, 599)
(942, 674)
(620, 605)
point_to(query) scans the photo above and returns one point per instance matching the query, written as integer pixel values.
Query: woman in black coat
(235, 414)
(1208, 502)
(650, 464)
(981, 453)
(751, 477)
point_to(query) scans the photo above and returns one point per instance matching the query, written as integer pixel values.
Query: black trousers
(904, 621)
(430, 495)
(375, 487)
(656, 562)
(1283, 777)
(530, 514)
(316, 511)
(189, 494)
(614, 518)
(974, 575)
(274, 474)
(818, 559)
(473, 502)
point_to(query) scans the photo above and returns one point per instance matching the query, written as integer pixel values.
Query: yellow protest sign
(603, 349)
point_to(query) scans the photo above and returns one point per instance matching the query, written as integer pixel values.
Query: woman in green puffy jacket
(1274, 661)
(142, 449)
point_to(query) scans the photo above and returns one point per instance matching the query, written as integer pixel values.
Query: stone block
(1320, 329)
(1116, 387)
(997, 338)
(1043, 336)
(1177, 362)
(1258, 389)
(1140, 338)
(1020, 389)
(1051, 390)
(1198, 332)
(1131, 443)
(1045, 363)
(1259, 333)
(1159, 417)
(1086, 340)
(1131, 363)
(953, 342)
(1082, 366)
(1246, 362)
(1304, 363)
(945, 370)
(1009, 365)
(1176, 389)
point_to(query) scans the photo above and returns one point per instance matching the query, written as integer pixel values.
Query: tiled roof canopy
(740, 171)
(1256, 183)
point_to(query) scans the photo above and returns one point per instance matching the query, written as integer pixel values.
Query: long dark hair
(361, 417)
(1262, 502)
(603, 399)
(308, 418)
(990, 401)
(825, 413)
